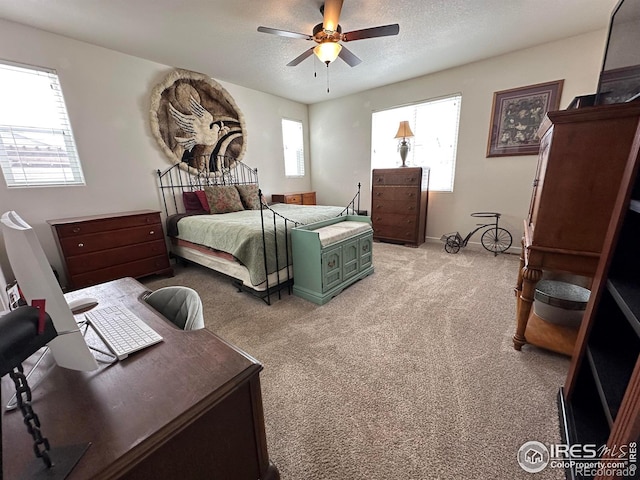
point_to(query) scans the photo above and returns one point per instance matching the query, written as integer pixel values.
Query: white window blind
(36, 142)
(434, 124)
(293, 142)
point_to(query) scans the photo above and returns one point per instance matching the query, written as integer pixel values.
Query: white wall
(107, 95)
(340, 151)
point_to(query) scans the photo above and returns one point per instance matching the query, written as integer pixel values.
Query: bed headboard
(180, 178)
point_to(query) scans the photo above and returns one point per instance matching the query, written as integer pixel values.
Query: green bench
(329, 256)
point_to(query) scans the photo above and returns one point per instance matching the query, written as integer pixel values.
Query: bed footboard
(179, 178)
(352, 208)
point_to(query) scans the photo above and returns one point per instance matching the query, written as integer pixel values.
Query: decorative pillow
(202, 197)
(195, 201)
(249, 196)
(223, 199)
(191, 202)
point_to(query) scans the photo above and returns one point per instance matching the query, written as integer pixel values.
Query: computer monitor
(36, 281)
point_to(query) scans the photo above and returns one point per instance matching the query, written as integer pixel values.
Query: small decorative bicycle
(495, 239)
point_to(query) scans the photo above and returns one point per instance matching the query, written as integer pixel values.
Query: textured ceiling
(219, 37)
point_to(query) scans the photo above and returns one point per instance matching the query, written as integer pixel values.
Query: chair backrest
(181, 305)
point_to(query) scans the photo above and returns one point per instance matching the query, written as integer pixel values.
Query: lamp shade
(327, 51)
(404, 130)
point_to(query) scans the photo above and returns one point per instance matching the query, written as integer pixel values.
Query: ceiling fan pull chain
(327, 77)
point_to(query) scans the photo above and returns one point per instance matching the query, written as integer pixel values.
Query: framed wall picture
(619, 85)
(516, 115)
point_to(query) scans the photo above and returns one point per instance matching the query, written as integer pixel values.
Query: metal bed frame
(179, 178)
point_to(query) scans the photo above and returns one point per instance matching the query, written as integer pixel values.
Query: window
(36, 143)
(293, 143)
(435, 127)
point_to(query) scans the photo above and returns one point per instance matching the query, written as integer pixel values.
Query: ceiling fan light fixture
(327, 51)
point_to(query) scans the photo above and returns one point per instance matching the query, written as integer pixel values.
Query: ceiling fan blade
(331, 12)
(383, 31)
(284, 33)
(300, 58)
(349, 58)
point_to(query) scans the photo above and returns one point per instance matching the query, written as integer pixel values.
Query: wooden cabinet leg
(530, 278)
(518, 287)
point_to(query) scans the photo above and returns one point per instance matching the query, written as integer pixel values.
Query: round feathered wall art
(197, 123)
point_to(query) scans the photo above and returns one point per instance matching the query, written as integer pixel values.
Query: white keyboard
(121, 330)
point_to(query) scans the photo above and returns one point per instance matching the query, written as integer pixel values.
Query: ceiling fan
(328, 36)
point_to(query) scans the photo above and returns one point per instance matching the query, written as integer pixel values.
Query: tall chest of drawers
(99, 248)
(399, 201)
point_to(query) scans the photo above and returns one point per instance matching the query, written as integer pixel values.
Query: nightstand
(300, 198)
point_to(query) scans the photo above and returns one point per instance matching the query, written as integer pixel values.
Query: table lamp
(404, 132)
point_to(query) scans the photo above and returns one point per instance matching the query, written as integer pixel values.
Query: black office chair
(181, 305)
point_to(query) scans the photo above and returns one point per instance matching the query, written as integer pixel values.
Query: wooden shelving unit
(600, 401)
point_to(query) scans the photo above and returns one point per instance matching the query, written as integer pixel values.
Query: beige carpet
(408, 374)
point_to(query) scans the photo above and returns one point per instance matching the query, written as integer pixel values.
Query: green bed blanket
(240, 233)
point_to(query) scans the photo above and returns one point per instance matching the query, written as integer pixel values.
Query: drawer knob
(151, 232)
(331, 263)
(76, 230)
(81, 245)
(365, 247)
(378, 194)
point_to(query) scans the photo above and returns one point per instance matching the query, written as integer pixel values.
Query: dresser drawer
(394, 233)
(405, 194)
(405, 177)
(114, 256)
(139, 268)
(81, 244)
(394, 220)
(309, 198)
(105, 225)
(393, 206)
(293, 199)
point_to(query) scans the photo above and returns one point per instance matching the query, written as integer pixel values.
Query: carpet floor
(408, 374)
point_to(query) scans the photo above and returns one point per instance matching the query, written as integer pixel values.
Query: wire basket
(450, 236)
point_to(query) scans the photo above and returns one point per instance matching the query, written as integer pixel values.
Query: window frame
(51, 147)
(390, 160)
(301, 170)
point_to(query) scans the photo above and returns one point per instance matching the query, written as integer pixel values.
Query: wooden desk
(189, 407)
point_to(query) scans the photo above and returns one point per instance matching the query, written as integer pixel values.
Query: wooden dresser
(583, 154)
(100, 248)
(301, 198)
(399, 201)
